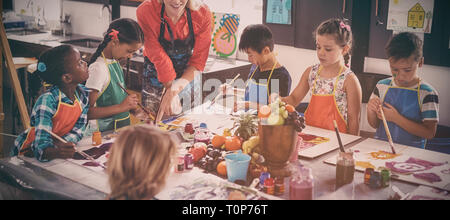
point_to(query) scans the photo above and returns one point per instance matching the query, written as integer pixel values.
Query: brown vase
(277, 142)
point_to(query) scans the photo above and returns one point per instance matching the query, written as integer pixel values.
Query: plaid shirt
(41, 117)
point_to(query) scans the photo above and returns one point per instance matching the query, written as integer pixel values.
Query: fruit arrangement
(280, 113)
(247, 126)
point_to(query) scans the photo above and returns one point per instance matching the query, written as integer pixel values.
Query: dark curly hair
(51, 67)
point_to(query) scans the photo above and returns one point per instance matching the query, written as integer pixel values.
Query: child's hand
(374, 105)
(390, 112)
(130, 102)
(140, 114)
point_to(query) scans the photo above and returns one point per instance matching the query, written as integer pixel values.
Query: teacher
(177, 40)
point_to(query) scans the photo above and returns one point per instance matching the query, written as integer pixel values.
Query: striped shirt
(41, 118)
(429, 100)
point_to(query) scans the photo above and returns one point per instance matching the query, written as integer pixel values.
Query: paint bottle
(301, 184)
(367, 173)
(179, 166)
(279, 186)
(189, 128)
(375, 180)
(269, 186)
(263, 177)
(345, 168)
(96, 138)
(188, 161)
(385, 178)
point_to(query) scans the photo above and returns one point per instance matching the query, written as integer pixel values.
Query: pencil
(341, 147)
(388, 133)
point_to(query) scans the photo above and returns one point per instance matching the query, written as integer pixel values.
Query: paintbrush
(386, 128)
(341, 147)
(139, 104)
(158, 114)
(83, 154)
(217, 96)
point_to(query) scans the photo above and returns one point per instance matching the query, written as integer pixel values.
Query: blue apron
(258, 92)
(407, 102)
(179, 52)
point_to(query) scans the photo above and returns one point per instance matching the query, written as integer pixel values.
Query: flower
(41, 67)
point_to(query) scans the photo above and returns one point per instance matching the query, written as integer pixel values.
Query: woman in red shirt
(177, 40)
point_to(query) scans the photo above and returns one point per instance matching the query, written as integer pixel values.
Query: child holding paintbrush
(410, 105)
(110, 104)
(267, 76)
(62, 109)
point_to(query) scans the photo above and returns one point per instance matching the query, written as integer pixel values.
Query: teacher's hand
(170, 102)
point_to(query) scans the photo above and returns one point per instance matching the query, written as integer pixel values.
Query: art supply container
(96, 138)
(367, 173)
(385, 178)
(345, 168)
(179, 166)
(188, 161)
(189, 128)
(237, 166)
(269, 186)
(263, 177)
(301, 184)
(279, 186)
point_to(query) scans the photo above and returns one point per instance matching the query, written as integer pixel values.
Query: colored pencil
(341, 146)
(386, 128)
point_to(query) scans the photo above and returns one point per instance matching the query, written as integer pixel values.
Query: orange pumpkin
(233, 143)
(217, 141)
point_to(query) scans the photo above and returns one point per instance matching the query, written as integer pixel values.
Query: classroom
(225, 100)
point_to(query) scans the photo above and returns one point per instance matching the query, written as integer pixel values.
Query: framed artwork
(279, 12)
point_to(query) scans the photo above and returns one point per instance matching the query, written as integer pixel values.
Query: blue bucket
(237, 166)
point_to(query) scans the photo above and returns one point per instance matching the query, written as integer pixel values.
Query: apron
(113, 95)
(258, 92)
(322, 109)
(407, 103)
(179, 52)
(64, 120)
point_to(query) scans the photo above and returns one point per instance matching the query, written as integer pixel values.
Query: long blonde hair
(194, 5)
(139, 162)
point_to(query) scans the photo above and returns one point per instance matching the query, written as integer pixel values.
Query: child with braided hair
(336, 91)
(109, 103)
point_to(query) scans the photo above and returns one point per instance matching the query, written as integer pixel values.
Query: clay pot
(277, 142)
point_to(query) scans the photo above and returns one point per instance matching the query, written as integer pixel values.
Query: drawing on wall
(310, 140)
(410, 15)
(279, 12)
(224, 40)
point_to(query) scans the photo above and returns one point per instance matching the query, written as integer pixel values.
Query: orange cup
(96, 138)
